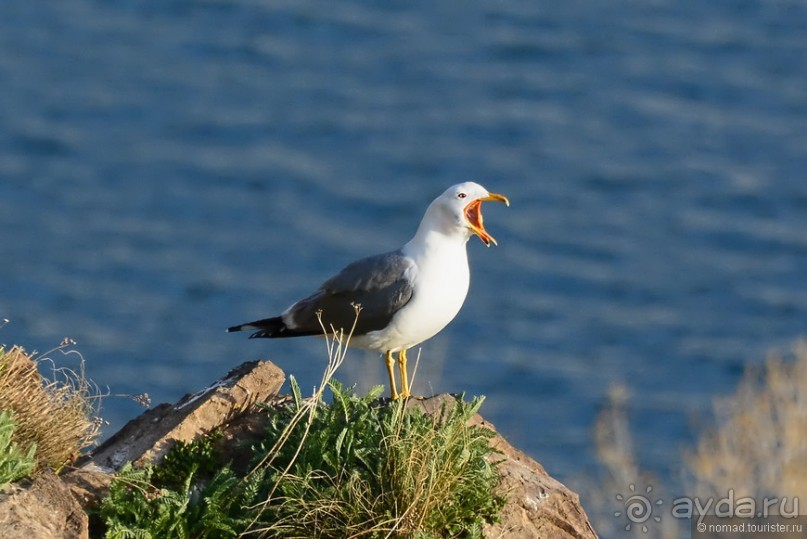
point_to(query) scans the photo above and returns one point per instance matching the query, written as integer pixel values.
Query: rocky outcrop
(43, 509)
(537, 507)
(148, 437)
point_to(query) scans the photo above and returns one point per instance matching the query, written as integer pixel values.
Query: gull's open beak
(473, 214)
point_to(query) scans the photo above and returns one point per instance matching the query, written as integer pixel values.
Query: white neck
(436, 231)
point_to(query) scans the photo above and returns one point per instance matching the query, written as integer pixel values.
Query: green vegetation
(140, 506)
(384, 469)
(14, 464)
(353, 468)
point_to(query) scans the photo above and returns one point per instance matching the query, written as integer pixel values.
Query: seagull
(398, 299)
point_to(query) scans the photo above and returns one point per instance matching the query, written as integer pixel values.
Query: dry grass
(336, 345)
(759, 444)
(58, 415)
(428, 474)
(422, 478)
(757, 448)
(617, 457)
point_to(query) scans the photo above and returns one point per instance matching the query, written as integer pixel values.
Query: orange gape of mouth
(473, 214)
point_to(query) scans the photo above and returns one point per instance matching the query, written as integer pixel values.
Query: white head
(458, 211)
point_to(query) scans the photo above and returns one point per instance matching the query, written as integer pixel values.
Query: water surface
(169, 169)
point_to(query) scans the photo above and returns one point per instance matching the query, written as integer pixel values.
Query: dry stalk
(759, 445)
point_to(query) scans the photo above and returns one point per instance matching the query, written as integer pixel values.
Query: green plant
(352, 468)
(185, 459)
(358, 468)
(188, 496)
(14, 463)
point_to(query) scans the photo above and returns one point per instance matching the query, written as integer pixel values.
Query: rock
(42, 509)
(235, 445)
(148, 437)
(538, 506)
(89, 484)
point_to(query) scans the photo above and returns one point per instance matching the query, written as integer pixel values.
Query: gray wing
(377, 283)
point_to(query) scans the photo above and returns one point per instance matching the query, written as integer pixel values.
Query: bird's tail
(266, 328)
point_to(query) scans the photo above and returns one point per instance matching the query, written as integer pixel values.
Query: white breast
(440, 278)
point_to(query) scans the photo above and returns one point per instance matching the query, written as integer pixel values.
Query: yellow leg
(404, 375)
(390, 361)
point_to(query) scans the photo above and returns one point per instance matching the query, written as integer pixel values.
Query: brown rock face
(43, 509)
(148, 437)
(538, 506)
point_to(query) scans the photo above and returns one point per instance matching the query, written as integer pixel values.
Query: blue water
(171, 168)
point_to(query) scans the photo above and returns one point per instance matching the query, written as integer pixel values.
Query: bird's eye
(461, 195)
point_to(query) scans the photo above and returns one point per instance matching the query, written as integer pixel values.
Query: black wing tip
(266, 328)
(272, 328)
(256, 335)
